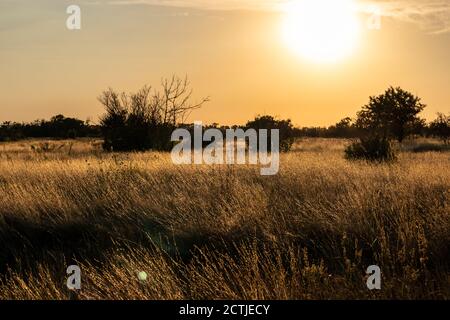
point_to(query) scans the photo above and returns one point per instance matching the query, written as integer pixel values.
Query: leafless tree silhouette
(144, 120)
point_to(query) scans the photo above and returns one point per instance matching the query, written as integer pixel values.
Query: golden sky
(233, 51)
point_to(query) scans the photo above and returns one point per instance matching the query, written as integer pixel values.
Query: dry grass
(222, 232)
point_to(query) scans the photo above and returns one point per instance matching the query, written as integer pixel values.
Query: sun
(321, 30)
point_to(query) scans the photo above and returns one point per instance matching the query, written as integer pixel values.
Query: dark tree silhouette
(58, 127)
(285, 127)
(440, 127)
(343, 129)
(145, 120)
(393, 114)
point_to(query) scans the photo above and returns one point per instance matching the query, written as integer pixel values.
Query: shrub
(373, 148)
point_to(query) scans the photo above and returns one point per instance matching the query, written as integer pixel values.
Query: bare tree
(176, 100)
(145, 119)
(116, 106)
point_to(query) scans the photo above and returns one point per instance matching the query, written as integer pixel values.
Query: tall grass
(222, 232)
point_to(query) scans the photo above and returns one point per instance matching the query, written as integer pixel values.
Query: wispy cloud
(207, 4)
(431, 15)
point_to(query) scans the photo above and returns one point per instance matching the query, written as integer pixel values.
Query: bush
(372, 148)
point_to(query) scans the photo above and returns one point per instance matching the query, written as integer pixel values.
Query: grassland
(221, 232)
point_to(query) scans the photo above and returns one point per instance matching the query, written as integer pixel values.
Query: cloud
(207, 4)
(431, 15)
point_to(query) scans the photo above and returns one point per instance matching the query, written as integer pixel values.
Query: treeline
(145, 120)
(58, 127)
(351, 128)
(343, 129)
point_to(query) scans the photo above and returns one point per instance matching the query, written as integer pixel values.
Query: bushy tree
(393, 114)
(60, 126)
(285, 127)
(440, 127)
(343, 129)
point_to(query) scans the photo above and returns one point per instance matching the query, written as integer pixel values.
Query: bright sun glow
(321, 30)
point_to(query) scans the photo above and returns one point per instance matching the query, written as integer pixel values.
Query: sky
(232, 51)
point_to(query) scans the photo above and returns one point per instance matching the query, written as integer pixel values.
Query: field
(221, 232)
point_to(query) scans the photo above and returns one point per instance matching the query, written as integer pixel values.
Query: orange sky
(235, 56)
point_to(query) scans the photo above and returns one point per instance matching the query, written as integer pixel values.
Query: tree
(343, 129)
(145, 120)
(440, 127)
(113, 123)
(285, 128)
(60, 126)
(393, 114)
